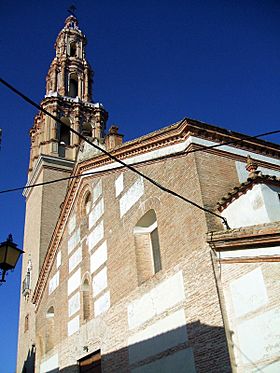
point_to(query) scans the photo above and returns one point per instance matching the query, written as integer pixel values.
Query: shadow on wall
(29, 363)
(191, 348)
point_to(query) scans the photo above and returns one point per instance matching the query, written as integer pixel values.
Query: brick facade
(96, 290)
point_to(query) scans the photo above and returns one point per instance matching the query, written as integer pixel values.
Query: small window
(87, 205)
(86, 299)
(73, 86)
(50, 312)
(147, 246)
(49, 330)
(73, 49)
(64, 137)
(87, 129)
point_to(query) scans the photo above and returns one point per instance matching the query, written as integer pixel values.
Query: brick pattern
(181, 230)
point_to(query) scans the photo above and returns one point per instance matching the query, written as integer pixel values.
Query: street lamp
(9, 255)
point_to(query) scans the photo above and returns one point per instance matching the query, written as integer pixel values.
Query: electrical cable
(206, 147)
(111, 156)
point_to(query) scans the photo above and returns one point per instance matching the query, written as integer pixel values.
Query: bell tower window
(73, 86)
(64, 138)
(73, 49)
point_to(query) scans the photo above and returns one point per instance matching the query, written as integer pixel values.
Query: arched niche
(73, 85)
(147, 246)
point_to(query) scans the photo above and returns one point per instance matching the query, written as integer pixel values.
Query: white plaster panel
(141, 310)
(248, 209)
(58, 259)
(95, 236)
(169, 292)
(173, 149)
(119, 185)
(96, 213)
(160, 336)
(50, 364)
(54, 282)
(248, 292)
(267, 251)
(74, 281)
(73, 325)
(75, 259)
(73, 241)
(74, 304)
(72, 224)
(259, 338)
(102, 304)
(243, 173)
(133, 194)
(99, 281)
(179, 362)
(271, 202)
(97, 191)
(165, 295)
(98, 257)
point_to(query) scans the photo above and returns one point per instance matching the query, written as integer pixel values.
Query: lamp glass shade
(2, 254)
(9, 255)
(13, 255)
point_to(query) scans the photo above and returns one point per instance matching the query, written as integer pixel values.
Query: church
(165, 262)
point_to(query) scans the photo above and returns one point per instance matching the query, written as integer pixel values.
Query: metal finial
(10, 238)
(72, 10)
(251, 167)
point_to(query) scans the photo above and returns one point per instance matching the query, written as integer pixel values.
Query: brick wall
(182, 231)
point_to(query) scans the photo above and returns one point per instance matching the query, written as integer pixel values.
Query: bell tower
(52, 156)
(69, 97)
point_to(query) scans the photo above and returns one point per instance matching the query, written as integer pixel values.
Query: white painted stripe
(267, 251)
(177, 148)
(75, 259)
(74, 304)
(54, 282)
(74, 281)
(98, 257)
(50, 364)
(73, 325)
(102, 304)
(133, 195)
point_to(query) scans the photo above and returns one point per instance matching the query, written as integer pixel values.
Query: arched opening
(50, 313)
(87, 203)
(49, 331)
(86, 299)
(87, 129)
(73, 85)
(73, 49)
(64, 136)
(147, 246)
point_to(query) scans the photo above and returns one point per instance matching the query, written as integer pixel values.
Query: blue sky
(155, 62)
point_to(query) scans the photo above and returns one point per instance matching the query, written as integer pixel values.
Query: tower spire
(69, 97)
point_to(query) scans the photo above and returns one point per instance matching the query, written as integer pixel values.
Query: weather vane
(72, 10)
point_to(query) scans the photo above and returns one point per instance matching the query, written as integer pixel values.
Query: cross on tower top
(72, 10)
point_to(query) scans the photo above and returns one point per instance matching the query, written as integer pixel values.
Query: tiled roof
(236, 192)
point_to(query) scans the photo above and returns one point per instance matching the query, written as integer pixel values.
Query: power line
(49, 182)
(206, 147)
(111, 156)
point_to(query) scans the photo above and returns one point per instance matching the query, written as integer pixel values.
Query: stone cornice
(258, 235)
(46, 161)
